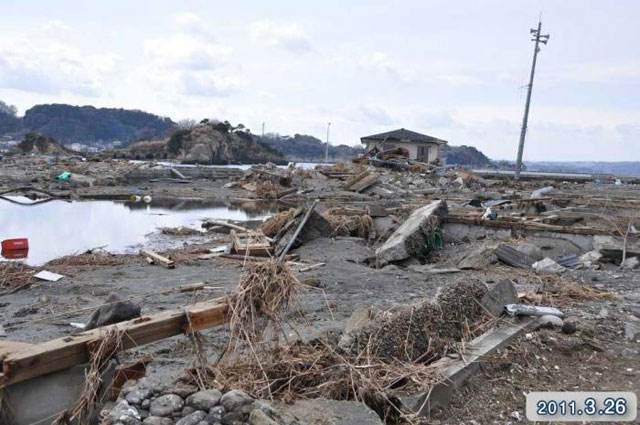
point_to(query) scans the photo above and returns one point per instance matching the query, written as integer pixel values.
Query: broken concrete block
(501, 294)
(612, 247)
(479, 258)
(548, 266)
(630, 263)
(320, 411)
(531, 250)
(591, 256)
(411, 237)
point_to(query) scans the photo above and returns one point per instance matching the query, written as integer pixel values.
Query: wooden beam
(166, 262)
(62, 353)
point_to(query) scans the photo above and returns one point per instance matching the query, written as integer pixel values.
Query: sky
(455, 69)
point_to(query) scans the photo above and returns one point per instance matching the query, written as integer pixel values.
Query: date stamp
(582, 406)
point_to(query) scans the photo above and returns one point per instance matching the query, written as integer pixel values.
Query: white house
(421, 147)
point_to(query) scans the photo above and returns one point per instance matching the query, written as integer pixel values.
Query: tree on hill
(9, 121)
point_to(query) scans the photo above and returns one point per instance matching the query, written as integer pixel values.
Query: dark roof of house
(403, 135)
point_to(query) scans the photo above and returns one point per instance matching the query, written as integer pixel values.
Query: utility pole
(539, 38)
(326, 148)
(263, 129)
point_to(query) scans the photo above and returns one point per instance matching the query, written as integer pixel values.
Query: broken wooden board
(250, 243)
(65, 352)
(164, 261)
(364, 183)
(454, 373)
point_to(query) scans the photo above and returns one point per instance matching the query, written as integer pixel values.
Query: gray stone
(550, 321)
(157, 420)
(182, 390)
(232, 418)
(499, 295)
(137, 396)
(235, 399)
(193, 418)
(591, 257)
(145, 404)
(479, 258)
(258, 417)
(411, 237)
(632, 331)
(569, 328)
(204, 400)
(116, 309)
(548, 266)
(122, 411)
(166, 405)
(531, 250)
(630, 263)
(187, 410)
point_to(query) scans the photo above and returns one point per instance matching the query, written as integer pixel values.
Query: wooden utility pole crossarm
(62, 353)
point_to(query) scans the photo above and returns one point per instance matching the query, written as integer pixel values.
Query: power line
(539, 38)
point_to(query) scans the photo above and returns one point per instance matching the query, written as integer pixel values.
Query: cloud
(381, 63)
(459, 80)
(290, 37)
(55, 26)
(181, 51)
(51, 67)
(208, 85)
(191, 23)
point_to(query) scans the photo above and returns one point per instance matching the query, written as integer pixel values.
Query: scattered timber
(164, 261)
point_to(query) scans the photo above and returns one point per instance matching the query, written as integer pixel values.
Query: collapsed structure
(376, 290)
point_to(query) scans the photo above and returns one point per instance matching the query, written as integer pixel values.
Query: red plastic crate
(15, 244)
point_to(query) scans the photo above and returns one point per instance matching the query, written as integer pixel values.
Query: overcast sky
(451, 69)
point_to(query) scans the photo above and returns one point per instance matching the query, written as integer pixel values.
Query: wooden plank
(164, 261)
(69, 351)
(365, 183)
(178, 174)
(455, 372)
(285, 251)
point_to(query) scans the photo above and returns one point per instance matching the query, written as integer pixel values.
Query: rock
(157, 420)
(145, 404)
(187, 410)
(231, 418)
(116, 309)
(411, 237)
(123, 412)
(166, 405)
(204, 400)
(358, 320)
(258, 417)
(591, 257)
(548, 266)
(499, 295)
(539, 193)
(193, 418)
(550, 321)
(569, 328)
(137, 396)
(632, 331)
(479, 258)
(531, 250)
(235, 399)
(630, 263)
(182, 390)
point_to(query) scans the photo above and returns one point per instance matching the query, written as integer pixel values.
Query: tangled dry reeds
(265, 290)
(15, 275)
(272, 226)
(349, 222)
(266, 190)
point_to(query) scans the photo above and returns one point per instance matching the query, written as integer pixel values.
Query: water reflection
(59, 228)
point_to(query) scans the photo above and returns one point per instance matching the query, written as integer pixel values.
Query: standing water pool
(60, 228)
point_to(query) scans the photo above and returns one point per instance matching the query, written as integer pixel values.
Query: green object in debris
(64, 176)
(435, 242)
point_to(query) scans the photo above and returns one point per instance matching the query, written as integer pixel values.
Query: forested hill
(302, 147)
(90, 125)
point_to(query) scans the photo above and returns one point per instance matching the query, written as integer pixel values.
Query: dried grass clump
(272, 226)
(555, 291)
(265, 290)
(15, 275)
(266, 190)
(348, 223)
(72, 264)
(305, 371)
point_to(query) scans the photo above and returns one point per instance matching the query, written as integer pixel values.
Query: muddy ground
(597, 357)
